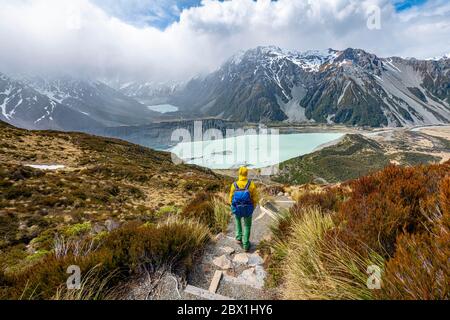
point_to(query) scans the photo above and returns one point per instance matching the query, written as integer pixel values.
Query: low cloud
(77, 36)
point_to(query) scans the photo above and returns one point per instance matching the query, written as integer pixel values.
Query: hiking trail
(226, 271)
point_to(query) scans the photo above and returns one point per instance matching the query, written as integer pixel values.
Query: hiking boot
(247, 248)
(239, 242)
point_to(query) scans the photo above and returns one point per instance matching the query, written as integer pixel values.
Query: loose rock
(227, 250)
(241, 258)
(223, 262)
(255, 260)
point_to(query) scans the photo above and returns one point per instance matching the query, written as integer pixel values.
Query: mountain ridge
(350, 86)
(265, 84)
(67, 103)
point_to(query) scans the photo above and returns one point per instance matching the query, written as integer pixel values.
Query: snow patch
(293, 110)
(49, 167)
(343, 92)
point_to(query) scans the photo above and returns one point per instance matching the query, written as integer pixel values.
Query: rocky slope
(24, 106)
(146, 92)
(159, 134)
(66, 103)
(348, 87)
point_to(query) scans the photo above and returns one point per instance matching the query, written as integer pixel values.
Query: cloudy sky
(163, 40)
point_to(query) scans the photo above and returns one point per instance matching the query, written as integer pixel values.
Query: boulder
(254, 277)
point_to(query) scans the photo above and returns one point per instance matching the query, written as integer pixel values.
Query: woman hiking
(243, 200)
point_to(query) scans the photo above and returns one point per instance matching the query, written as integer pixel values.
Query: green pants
(245, 238)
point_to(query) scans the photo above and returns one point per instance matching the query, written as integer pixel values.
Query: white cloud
(77, 36)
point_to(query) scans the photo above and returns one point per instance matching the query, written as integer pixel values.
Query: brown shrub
(122, 253)
(387, 204)
(420, 269)
(328, 200)
(273, 190)
(201, 209)
(444, 195)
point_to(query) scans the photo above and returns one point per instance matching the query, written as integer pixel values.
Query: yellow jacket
(242, 182)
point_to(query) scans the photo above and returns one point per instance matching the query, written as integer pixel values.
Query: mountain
(350, 87)
(94, 98)
(23, 106)
(67, 103)
(150, 93)
(265, 84)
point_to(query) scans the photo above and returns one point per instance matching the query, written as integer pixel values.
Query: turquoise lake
(254, 151)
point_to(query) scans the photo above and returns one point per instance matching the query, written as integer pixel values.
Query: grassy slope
(104, 179)
(351, 158)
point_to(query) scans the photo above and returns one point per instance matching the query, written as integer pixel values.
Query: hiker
(243, 200)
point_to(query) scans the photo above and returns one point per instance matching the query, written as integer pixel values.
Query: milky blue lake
(163, 108)
(251, 150)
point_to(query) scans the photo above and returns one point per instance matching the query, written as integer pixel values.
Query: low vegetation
(210, 210)
(320, 268)
(357, 156)
(396, 219)
(105, 262)
(354, 156)
(115, 209)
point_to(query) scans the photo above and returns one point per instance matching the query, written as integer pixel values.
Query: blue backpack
(241, 204)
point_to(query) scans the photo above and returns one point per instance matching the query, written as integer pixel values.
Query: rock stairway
(226, 271)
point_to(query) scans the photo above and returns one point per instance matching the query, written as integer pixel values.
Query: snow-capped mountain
(23, 106)
(67, 103)
(444, 56)
(146, 92)
(93, 98)
(266, 84)
(350, 86)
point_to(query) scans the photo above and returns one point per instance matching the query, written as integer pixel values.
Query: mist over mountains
(264, 84)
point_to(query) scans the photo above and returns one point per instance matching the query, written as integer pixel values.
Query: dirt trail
(226, 271)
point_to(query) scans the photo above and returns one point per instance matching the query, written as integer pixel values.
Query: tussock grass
(92, 287)
(107, 262)
(316, 268)
(198, 233)
(222, 215)
(210, 210)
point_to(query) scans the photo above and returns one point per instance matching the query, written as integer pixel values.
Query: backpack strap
(247, 186)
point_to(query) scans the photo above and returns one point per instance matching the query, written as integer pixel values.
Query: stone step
(215, 281)
(204, 294)
(253, 277)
